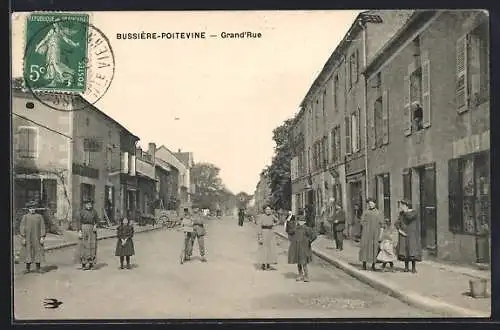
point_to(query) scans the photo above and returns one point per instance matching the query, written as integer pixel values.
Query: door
(428, 220)
(356, 195)
(109, 202)
(482, 208)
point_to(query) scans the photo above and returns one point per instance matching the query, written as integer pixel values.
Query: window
(87, 191)
(316, 116)
(27, 144)
(407, 194)
(353, 69)
(354, 130)
(325, 151)
(473, 68)
(348, 144)
(377, 114)
(91, 147)
(383, 194)
(324, 104)
(336, 144)
(336, 92)
(469, 194)
(417, 96)
(381, 121)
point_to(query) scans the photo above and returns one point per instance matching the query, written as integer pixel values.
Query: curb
(409, 297)
(68, 244)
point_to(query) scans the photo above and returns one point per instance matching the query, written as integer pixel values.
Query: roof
(18, 86)
(337, 54)
(418, 18)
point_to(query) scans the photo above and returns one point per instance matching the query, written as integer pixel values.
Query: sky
(227, 94)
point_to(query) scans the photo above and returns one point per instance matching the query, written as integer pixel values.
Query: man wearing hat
(87, 232)
(199, 232)
(32, 231)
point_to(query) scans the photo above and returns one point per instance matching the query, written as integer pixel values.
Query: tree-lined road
(230, 285)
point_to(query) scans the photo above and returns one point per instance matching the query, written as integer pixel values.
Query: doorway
(482, 207)
(356, 194)
(109, 203)
(427, 195)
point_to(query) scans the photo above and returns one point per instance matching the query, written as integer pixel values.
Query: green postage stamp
(55, 57)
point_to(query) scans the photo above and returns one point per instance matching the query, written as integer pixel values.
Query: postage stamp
(68, 62)
(56, 52)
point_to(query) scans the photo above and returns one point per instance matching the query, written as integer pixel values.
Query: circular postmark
(68, 63)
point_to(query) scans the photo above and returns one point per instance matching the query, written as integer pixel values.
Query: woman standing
(371, 236)
(266, 254)
(125, 244)
(300, 251)
(408, 224)
(87, 232)
(32, 231)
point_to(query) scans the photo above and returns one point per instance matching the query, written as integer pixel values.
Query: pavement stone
(440, 288)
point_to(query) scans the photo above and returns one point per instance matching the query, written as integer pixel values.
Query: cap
(31, 204)
(370, 199)
(405, 201)
(88, 200)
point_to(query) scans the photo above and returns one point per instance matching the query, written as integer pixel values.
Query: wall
(433, 144)
(54, 145)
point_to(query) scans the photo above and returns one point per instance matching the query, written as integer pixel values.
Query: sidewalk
(436, 287)
(70, 238)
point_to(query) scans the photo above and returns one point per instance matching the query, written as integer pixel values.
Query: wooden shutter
(462, 92)
(385, 118)
(356, 65)
(348, 145)
(359, 128)
(455, 195)
(426, 92)
(407, 110)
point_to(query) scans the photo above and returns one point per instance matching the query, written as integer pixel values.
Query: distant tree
(278, 172)
(210, 191)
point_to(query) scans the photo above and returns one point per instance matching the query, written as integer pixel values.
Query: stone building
(429, 134)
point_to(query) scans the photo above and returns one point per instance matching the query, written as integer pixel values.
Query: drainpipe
(365, 105)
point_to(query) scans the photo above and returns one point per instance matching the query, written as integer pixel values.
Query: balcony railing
(85, 170)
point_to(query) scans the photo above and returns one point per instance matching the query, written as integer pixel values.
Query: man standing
(339, 227)
(187, 225)
(32, 231)
(87, 232)
(330, 216)
(199, 232)
(241, 217)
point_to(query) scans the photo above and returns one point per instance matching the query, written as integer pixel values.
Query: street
(229, 285)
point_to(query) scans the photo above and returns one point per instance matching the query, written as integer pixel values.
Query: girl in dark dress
(125, 244)
(408, 225)
(300, 251)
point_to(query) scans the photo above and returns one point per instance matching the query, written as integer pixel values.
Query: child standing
(387, 252)
(300, 251)
(125, 244)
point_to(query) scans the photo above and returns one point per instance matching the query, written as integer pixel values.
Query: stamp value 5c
(56, 52)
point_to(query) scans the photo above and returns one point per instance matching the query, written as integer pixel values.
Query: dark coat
(372, 222)
(339, 226)
(409, 247)
(127, 249)
(300, 251)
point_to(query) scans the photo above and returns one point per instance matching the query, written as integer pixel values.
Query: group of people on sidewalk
(33, 233)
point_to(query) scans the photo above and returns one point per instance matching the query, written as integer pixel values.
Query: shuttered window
(455, 195)
(336, 92)
(348, 144)
(27, 142)
(462, 94)
(385, 118)
(378, 122)
(407, 187)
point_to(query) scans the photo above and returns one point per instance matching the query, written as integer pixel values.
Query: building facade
(103, 164)
(262, 194)
(330, 135)
(177, 178)
(429, 133)
(41, 156)
(146, 182)
(187, 159)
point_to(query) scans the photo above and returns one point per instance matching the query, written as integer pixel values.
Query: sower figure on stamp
(32, 231)
(198, 234)
(266, 253)
(87, 232)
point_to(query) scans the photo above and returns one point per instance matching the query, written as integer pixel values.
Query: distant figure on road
(408, 224)
(300, 252)
(266, 254)
(87, 232)
(199, 232)
(339, 227)
(373, 226)
(241, 217)
(125, 244)
(32, 231)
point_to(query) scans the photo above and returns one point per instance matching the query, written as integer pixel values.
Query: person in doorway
(356, 223)
(125, 244)
(32, 232)
(371, 236)
(300, 251)
(199, 232)
(408, 225)
(339, 227)
(266, 254)
(87, 232)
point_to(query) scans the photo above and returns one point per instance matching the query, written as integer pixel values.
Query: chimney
(152, 150)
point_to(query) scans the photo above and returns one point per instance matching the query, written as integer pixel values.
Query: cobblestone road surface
(228, 286)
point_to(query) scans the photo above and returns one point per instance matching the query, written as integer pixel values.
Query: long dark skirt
(126, 249)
